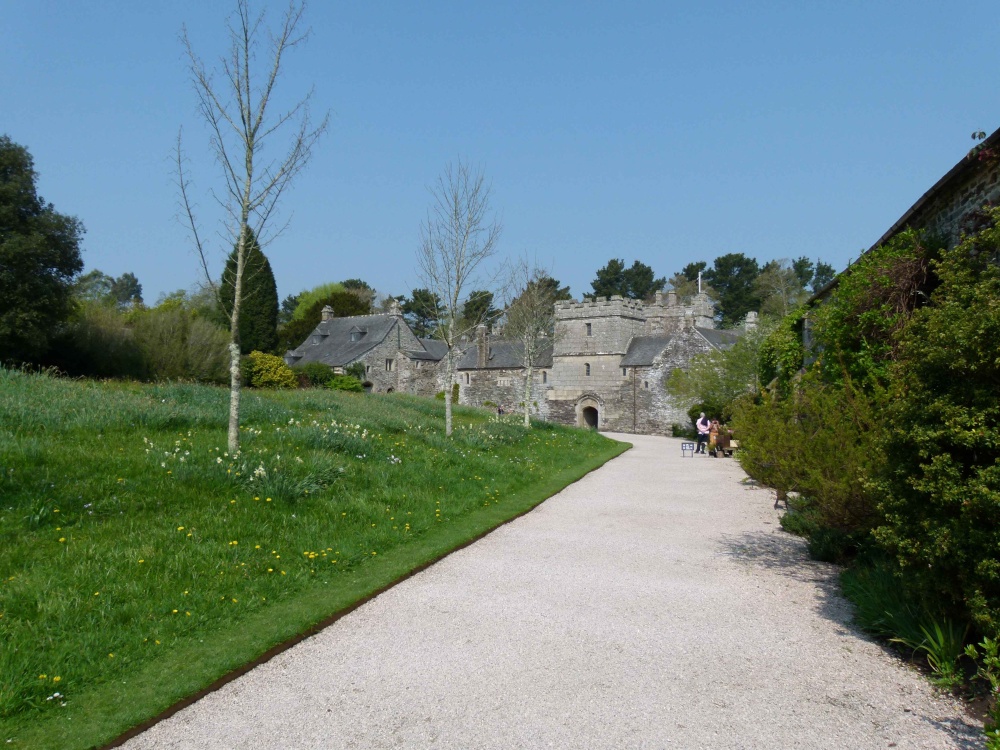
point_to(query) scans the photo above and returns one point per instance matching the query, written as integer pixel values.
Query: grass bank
(139, 562)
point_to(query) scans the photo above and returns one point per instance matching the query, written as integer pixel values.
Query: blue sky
(658, 131)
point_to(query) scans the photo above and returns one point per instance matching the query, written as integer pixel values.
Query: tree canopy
(259, 307)
(635, 282)
(39, 256)
(732, 276)
(422, 311)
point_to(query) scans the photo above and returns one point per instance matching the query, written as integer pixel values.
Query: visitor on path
(703, 426)
(713, 438)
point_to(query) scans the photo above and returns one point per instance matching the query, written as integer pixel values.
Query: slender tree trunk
(235, 374)
(234, 398)
(447, 393)
(527, 398)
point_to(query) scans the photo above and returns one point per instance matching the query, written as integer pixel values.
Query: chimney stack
(482, 343)
(327, 313)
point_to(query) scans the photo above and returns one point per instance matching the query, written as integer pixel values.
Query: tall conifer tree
(259, 307)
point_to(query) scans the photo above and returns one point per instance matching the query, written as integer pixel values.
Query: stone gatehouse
(604, 368)
(606, 365)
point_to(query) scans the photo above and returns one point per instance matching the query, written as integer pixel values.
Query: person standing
(703, 426)
(713, 439)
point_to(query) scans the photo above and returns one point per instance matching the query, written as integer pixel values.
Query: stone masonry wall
(946, 212)
(506, 387)
(383, 379)
(420, 377)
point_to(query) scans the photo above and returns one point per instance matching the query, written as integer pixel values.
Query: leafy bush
(939, 488)
(178, 344)
(97, 342)
(316, 373)
(345, 383)
(821, 442)
(454, 394)
(356, 370)
(268, 371)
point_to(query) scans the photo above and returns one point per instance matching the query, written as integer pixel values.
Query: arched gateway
(588, 412)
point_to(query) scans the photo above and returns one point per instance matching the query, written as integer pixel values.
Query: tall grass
(128, 535)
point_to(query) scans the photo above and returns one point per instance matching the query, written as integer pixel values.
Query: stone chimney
(482, 346)
(394, 309)
(671, 298)
(750, 323)
(327, 313)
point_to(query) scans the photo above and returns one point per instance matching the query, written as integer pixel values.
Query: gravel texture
(654, 604)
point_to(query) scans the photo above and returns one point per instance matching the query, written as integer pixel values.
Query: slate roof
(504, 355)
(642, 350)
(434, 351)
(330, 342)
(721, 338)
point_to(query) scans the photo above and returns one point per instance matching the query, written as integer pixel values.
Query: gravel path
(653, 604)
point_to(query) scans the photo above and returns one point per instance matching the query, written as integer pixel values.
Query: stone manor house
(605, 367)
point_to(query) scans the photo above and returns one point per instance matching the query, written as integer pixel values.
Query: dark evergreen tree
(39, 256)
(478, 310)
(610, 280)
(805, 269)
(732, 277)
(422, 311)
(551, 289)
(635, 282)
(126, 290)
(287, 309)
(825, 273)
(259, 306)
(640, 282)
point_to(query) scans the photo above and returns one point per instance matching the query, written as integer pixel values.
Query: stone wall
(506, 387)
(420, 377)
(613, 322)
(945, 213)
(385, 377)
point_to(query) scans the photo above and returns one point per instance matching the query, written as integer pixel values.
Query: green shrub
(357, 370)
(268, 371)
(345, 383)
(820, 441)
(316, 373)
(941, 482)
(454, 394)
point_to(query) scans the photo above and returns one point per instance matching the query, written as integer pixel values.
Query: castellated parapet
(603, 326)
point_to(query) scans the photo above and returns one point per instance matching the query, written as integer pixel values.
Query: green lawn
(139, 562)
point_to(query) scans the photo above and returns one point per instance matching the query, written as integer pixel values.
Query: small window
(368, 368)
(545, 377)
(388, 365)
(356, 335)
(645, 384)
(467, 379)
(590, 332)
(624, 372)
(587, 366)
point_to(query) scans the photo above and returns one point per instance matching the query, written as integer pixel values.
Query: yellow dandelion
(57, 678)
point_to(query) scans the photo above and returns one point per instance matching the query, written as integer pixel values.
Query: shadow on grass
(786, 555)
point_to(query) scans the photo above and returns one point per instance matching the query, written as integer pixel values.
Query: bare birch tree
(530, 320)
(238, 112)
(459, 235)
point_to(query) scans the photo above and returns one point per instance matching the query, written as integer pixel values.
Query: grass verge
(140, 563)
